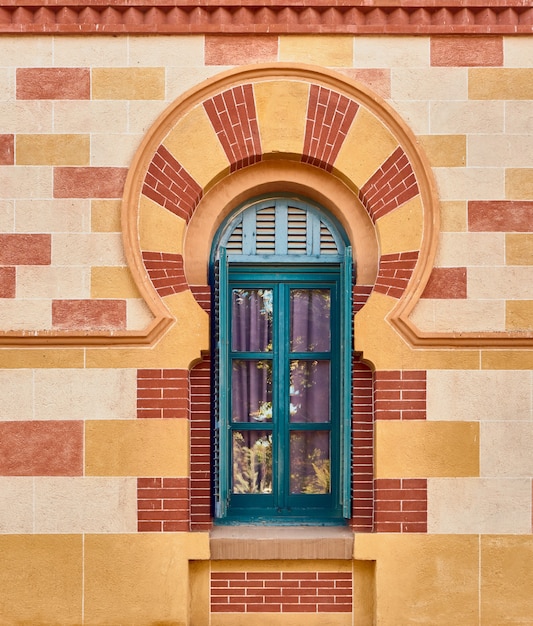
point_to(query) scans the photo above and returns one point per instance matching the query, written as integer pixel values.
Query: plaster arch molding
(283, 127)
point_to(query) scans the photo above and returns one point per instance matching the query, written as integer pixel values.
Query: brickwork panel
(166, 272)
(395, 271)
(163, 504)
(162, 393)
(401, 505)
(400, 395)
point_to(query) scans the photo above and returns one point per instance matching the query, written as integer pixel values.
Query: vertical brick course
(395, 271)
(163, 504)
(281, 592)
(166, 272)
(400, 395)
(163, 393)
(400, 505)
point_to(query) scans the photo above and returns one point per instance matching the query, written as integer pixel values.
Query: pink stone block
(53, 83)
(25, 249)
(89, 314)
(89, 182)
(7, 149)
(240, 49)
(500, 216)
(459, 51)
(7, 282)
(446, 283)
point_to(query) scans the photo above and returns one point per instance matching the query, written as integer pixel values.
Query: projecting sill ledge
(294, 542)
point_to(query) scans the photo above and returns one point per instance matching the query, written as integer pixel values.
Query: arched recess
(283, 127)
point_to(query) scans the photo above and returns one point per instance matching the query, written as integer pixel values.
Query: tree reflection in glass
(310, 316)
(309, 391)
(310, 462)
(251, 320)
(251, 391)
(252, 462)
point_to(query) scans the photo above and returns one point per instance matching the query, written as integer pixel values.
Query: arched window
(282, 276)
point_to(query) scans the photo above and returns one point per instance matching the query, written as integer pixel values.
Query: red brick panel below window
(281, 592)
(400, 395)
(401, 505)
(53, 83)
(25, 249)
(162, 393)
(446, 283)
(500, 216)
(89, 314)
(163, 504)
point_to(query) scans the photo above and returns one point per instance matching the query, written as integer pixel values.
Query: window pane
(310, 320)
(251, 320)
(252, 462)
(251, 391)
(309, 391)
(310, 467)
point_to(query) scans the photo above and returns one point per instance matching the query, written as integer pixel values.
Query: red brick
(500, 216)
(459, 51)
(53, 83)
(147, 527)
(446, 283)
(89, 182)
(25, 249)
(89, 314)
(227, 608)
(8, 282)
(335, 608)
(7, 149)
(41, 448)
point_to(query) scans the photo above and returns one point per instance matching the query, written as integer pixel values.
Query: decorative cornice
(368, 17)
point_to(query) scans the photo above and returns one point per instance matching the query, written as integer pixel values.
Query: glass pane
(310, 320)
(251, 391)
(309, 391)
(252, 462)
(251, 320)
(310, 466)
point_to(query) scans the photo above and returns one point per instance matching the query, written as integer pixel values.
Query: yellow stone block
(183, 143)
(445, 150)
(519, 184)
(368, 143)
(506, 575)
(11, 358)
(424, 579)
(143, 447)
(453, 216)
(426, 449)
(41, 579)
(507, 359)
(401, 230)
(519, 249)
(281, 112)
(113, 282)
(497, 83)
(105, 216)
(159, 229)
(328, 50)
(128, 83)
(138, 579)
(52, 150)
(519, 315)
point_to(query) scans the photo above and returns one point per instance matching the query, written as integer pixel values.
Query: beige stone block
(328, 50)
(16, 395)
(518, 118)
(85, 394)
(52, 216)
(141, 578)
(182, 143)
(16, 505)
(159, 229)
(113, 150)
(151, 447)
(407, 449)
(128, 83)
(517, 51)
(15, 51)
(7, 216)
(423, 315)
(26, 116)
(415, 113)
(90, 116)
(467, 249)
(87, 504)
(500, 150)
(138, 315)
(101, 51)
(25, 315)
(166, 50)
(519, 248)
(519, 184)
(479, 505)
(460, 183)
(434, 83)
(181, 79)
(506, 574)
(8, 82)
(105, 216)
(505, 449)
(496, 83)
(112, 282)
(367, 145)
(52, 149)
(390, 51)
(453, 216)
(424, 579)
(465, 117)
(401, 230)
(507, 283)
(142, 114)
(482, 395)
(445, 150)
(281, 112)
(52, 282)
(41, 579)
(461, 316)
(519, 315)
(26, 182)
(87, 249)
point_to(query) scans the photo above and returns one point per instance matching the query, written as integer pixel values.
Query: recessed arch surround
(288, 128)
